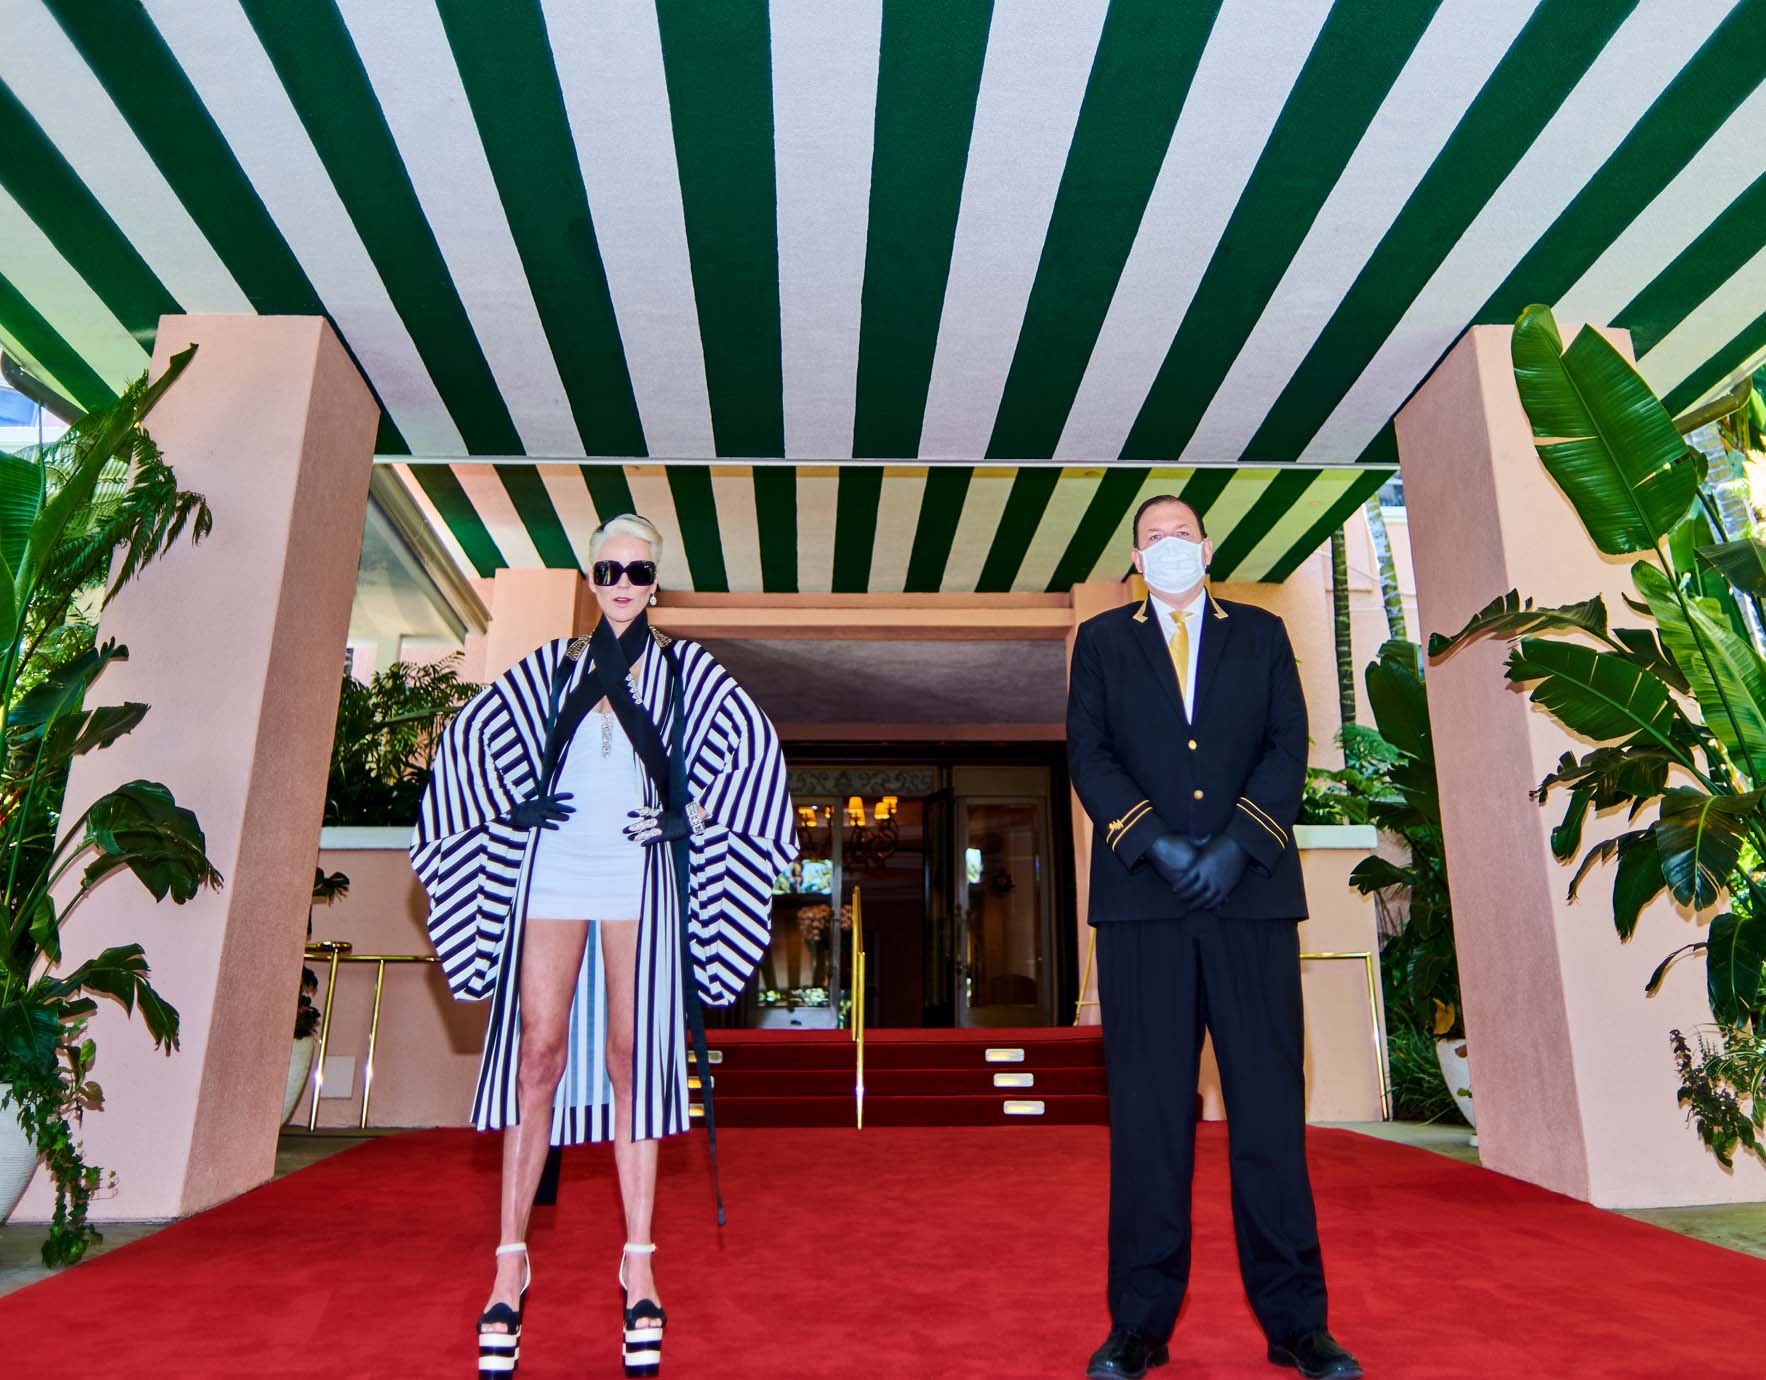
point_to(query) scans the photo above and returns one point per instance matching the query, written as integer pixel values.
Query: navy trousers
(1160, 984)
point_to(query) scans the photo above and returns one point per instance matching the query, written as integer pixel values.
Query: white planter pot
(18, 1160)
(1456, 1069)
(300, 1064)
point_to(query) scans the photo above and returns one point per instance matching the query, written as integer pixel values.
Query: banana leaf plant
(1419, 964)
(65, 513)
(1675, 703)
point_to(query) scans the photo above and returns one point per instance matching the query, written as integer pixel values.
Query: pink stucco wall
(236, 644)
(1571, 1070)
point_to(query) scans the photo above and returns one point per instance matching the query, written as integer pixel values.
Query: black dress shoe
(1126, 1355)
(1316, 1355)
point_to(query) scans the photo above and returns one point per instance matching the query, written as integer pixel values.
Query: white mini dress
(586, 868)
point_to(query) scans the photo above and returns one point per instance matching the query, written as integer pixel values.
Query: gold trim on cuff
(1130, 817)
(1256, 815)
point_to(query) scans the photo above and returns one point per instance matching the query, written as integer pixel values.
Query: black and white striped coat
(476, 871)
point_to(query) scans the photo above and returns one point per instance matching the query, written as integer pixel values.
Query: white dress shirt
(1193, 620)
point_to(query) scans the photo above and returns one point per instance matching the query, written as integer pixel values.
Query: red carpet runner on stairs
(887, 1254)
(912, 1077)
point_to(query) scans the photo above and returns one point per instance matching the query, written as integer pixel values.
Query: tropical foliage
(99, 494)
(1674, 703)
(385, 740)
(1419, 965)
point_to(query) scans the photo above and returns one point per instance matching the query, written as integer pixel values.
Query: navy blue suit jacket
(1141, 768)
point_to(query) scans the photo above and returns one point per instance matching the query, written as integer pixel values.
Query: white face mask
(1173, 564)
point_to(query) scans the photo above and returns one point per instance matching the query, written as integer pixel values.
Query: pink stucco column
(529, 607)
(237, 644)
(1571, 1073)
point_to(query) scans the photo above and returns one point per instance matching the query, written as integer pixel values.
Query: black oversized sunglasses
(608, 572)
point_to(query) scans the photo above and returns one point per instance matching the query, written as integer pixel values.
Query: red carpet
(907, 1253)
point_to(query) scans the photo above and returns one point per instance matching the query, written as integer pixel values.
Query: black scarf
(611, 661)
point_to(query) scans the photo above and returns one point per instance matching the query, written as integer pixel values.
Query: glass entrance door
(800, 971)
(1002, 904)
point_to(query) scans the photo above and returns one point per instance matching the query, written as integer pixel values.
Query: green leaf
(1399, 702)
(1643, 648)
(1568, 834)
(1655, 979)
(1601, 852)
(1509, 616)
(141, 827)
(1374, 873)
(46, 929)
(103, 726)
(1600, 695)
(122, 973)
(1612, 775)
(1735, 952)
(1637, 882)
(1700, 838)
(1742, 563)
(1605, 439)
(22, 485)
(62, 692)
(94, 452)
(1726, 674)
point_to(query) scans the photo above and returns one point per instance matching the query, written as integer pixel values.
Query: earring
(652, 601)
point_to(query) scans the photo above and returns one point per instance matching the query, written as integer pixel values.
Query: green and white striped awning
(914, 528)
(914, 232)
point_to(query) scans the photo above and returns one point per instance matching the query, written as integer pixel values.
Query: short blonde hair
(627, 525)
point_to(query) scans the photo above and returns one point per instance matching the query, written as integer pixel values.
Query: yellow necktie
(1180, 654)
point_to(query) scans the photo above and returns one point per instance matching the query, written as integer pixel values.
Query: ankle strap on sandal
(636, 1248)
(512, 1248)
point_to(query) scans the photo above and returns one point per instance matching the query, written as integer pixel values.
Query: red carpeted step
(1064, 1109)
(912, 1077)
(1059, 1047)
(737, 1082)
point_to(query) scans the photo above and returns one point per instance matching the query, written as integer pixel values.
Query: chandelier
(868, 837)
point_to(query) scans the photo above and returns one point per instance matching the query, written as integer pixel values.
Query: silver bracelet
(696, 818)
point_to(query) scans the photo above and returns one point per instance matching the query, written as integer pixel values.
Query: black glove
(1173, 858)
(651, 824)
(540, 812)
(1218, 868)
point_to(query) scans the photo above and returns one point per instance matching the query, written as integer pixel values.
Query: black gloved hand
(541, 812)
(1218, 868)
(651, 824)
(1173, 857)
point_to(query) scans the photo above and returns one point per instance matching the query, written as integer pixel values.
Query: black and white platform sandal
(641, 1340)
(499, 1351)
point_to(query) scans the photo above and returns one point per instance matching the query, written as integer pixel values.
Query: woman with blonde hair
(599, 841)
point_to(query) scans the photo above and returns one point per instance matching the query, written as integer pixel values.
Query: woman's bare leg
(635, 1160)
(552, 956)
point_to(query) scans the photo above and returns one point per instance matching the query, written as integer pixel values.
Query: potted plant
(101, 492)
(300, 1056)
(327, 887)
(1675, 702)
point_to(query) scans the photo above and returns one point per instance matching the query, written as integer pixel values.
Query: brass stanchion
(335, 949)
(1370, 970)
(338, 950)
(1091, 953)
(858, 1007)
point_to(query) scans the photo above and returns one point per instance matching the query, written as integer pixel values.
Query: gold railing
(340, 951)
(858, 1005)
(1371, 970)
